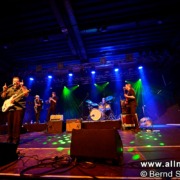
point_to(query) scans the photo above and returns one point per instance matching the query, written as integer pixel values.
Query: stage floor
(147, 154)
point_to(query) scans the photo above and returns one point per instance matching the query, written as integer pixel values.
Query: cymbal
(94, 104)
(109, 98)
(89, 101)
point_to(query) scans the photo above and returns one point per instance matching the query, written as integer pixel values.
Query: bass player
(14, 108)
(132, 103)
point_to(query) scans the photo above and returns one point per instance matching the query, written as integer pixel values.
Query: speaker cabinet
(8, 153)
(54, 127)
(96, 144)
(124, 108)
(127, 120)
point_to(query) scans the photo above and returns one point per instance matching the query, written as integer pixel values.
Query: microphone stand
(81, 104)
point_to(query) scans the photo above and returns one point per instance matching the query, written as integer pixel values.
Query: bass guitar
(9, 102)
(126, 99)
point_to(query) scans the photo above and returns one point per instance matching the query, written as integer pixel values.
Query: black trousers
(51, 110)
(37, 114)
(132, 108)
(14, 119)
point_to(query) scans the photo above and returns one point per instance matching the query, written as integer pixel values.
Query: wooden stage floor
(147, 154)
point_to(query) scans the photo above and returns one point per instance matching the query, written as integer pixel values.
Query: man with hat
(38, 104)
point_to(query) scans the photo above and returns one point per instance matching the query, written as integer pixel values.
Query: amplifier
(73, 124)
(127, 121)
(54, 127)
(58, 117)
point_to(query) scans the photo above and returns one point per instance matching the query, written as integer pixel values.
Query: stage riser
(102, 124)
(35, 127)
(58, 126)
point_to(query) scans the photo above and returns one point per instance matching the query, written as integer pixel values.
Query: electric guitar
(9, 102)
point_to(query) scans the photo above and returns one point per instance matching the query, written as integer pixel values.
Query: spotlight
(140, 67)
(93, 72)
(31, 79)
(116, 69)
(70, 74)
(49, 77)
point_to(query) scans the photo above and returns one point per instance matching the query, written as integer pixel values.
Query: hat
(37, 96)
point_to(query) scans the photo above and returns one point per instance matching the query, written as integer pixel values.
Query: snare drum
(95, 114)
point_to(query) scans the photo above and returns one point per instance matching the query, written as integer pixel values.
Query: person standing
(53, 103)
(14, 108)
(38, 104)
(132, 104)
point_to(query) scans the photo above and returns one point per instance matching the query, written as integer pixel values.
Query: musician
(38, 104)
(14, 107)
(132, 104)
(53, 103)
(105, 108)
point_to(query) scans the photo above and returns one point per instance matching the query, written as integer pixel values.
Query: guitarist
(132, 103)
(38, 104)
(53, 103)
(16, 95)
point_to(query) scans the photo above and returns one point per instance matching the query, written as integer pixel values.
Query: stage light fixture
(31, 79)
(70, 73)
(93, 72)
(140, 67)
(49, 77)
(116, 69)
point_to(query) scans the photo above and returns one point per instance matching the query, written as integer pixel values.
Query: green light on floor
(68, 152)
(60, 149)
(136, 157)
(155, 139)
(148, 145)
(69, 141)
(132, 142)
(140, 136)
(54, 143)
(120, 149)
(130, 149)
(147, 138)
(44, 142)
(62, 142)
(161, 144)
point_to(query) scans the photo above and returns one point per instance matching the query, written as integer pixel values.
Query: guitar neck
(21, 94)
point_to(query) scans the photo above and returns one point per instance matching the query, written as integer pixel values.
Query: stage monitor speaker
(8, 153)
(96, 144)
(54, 127)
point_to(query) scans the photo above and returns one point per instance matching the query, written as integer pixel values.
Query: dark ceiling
(37, 33)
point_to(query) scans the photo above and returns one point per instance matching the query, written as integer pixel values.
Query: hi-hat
(109, 98)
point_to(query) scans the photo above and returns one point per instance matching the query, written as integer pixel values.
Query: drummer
(104, 107)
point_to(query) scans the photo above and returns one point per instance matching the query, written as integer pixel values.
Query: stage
(47, 156)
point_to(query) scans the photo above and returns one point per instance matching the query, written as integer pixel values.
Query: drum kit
(100, 111)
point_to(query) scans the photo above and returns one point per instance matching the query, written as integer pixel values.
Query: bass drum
(95, 114)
